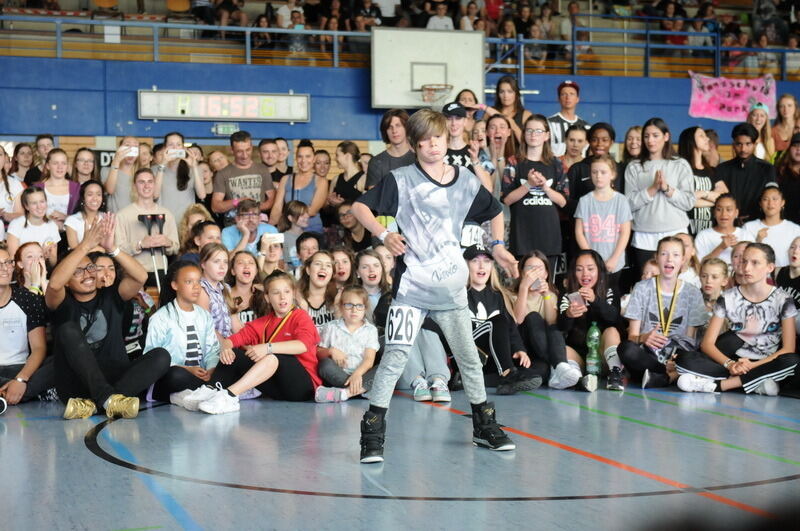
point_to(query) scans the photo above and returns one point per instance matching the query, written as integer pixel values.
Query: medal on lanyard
(666, 320)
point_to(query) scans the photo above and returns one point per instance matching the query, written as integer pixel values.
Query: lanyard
(666, 320)
(274, 334)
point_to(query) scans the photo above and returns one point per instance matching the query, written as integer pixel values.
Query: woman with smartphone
(118, 179)
(179, 179)
(589, 299)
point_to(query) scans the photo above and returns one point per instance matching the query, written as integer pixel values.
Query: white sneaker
(221, 402)
(767, 387)
(589, 382)
(179, 399)
(422, 393)
(250, 394)
(193, 400)
(324, 395)
(691, 383)
(564, 376)
(439, 391)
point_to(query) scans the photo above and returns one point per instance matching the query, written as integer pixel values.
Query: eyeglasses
(81, 271)
(353, 306)
(535, 131)
(346, 214)
(6, 263)
(249, 215)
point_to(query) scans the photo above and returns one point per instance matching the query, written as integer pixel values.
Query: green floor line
(717, 413)
(666, 429)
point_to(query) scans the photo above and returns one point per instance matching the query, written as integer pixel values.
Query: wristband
(114, 167)
(235, 202)
(269, 349)
(35, 289)
(547, 297)
(728, 363)
(382, 236)
(115, 252)
(138, 247)
(497, 242)
(21, 380)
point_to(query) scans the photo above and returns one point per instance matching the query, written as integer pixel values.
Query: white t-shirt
(78, 224)
(23, 312)
(708, 239)
(440, 23)
(7, 196)
(286, 13)
(57, 202)
(44, 234)
(779, 237)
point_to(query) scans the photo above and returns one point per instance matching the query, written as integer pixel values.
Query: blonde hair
(423, 124)
(184, 230)
(715, 262)
(764, 134)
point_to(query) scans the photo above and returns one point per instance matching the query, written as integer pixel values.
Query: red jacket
(298, 326)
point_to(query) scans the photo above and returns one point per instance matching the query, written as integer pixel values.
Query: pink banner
(729, 100)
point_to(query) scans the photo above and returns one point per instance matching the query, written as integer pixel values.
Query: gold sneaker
(123, 406)
(79, 408)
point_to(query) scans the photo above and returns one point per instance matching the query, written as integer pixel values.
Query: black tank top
(789, 285)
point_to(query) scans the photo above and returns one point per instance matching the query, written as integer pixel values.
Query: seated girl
(30, 269)
(719, 240)
(316, 291)
(276, 354)
(186, 331)
(690, 271)
(759, 349)
(347, 350)
(713, 281)
(663, 313)
(34, 226)
(270, 254)
(507, 365)
(374, 279)
(535, 313)
(246, 298)
(215, 294)
(589, 300)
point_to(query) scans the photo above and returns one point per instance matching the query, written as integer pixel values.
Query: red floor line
(616, 464)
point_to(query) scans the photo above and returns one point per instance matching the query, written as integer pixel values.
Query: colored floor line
(22, 420)
(618, 464)
(666, 429)
(726, 406)
(167, 501)
(713, 412)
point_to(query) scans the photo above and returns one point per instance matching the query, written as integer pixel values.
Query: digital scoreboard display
(223, 106)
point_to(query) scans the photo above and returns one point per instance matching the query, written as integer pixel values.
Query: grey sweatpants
(457, 329)
(335, 376)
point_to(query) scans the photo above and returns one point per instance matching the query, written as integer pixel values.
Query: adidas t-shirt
(758, 324)
(432, 274)
(24, 312)
(643, 307)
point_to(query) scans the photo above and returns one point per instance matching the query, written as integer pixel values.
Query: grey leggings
(457, 329)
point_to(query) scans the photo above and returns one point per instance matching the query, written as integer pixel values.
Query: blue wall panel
(99, 98)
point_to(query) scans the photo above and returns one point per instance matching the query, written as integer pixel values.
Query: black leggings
(638, 358)
(543, 341)
(491, 338)
(177, 379)
(290, 382)
(80, 373)
(698, 363)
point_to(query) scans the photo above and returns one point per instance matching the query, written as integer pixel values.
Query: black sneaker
(485, 430)
(518, 381)
(373, 428)
(615, 382)
(651, 380)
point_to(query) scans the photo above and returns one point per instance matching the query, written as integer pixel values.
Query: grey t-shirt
(432, 274)
(382, 164)
(602, 221)
(177, 201)
(643, 306)
(251, 183)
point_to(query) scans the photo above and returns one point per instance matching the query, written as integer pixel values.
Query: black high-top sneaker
(373, 428)
(486, 432)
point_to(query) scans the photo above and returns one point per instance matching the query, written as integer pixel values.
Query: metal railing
(508, 53)
(157, 28)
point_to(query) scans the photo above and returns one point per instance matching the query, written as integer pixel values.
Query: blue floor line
(160, 493)
(747, 410)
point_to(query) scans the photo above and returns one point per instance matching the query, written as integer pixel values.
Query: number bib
(402, 325)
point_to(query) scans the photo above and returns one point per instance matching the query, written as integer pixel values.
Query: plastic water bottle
(593, 350)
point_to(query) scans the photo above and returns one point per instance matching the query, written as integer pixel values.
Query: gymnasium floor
(633, 460)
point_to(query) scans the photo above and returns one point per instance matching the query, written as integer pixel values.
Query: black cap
(795, 139)
(454, 109)
(476, 250)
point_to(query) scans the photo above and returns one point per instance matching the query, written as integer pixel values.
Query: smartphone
(173, 154)
(133, 152)
(576, 298)
(537, 285)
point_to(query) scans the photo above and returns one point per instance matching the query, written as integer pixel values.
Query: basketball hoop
(435, 92)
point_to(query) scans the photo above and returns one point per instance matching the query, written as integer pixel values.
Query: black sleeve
(32, 305)
(563, 322)
(383, 198)
(514, 336)
(484, 207)
(606, 309)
